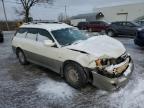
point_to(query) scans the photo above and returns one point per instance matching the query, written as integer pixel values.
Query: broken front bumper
(110, 84)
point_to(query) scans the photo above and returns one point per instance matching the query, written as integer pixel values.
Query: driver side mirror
(49, 43)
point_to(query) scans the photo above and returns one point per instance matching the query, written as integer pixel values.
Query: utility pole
(65, 12)
(5, 15)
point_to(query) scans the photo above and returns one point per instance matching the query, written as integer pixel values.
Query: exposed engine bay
(113, 67)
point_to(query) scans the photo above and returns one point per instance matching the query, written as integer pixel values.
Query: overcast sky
(50, 12)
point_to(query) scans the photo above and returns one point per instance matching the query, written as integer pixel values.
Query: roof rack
(43, 21)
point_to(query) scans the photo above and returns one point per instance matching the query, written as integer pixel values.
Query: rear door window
(32, 34)
(103, 24)
(43, 35)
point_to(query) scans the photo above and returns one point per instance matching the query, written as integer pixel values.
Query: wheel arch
(18, 49)
(65, 63)
(87, 72)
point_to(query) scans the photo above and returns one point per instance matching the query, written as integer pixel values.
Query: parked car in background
(139, 39)
(97, 26)
(123, 28)
(74, 22)
(1, 36)
(100, 60)
(82, 25)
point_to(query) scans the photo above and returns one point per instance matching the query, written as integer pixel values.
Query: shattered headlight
(103, 62)
(111, 61)
(112, 67)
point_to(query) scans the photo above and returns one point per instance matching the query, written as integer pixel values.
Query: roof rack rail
(42, 21)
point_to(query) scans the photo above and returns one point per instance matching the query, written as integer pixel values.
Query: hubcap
(73, 76)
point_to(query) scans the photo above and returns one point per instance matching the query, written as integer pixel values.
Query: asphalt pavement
(33, 86)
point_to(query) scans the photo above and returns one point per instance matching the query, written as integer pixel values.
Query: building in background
(85, 17)
(127, 12)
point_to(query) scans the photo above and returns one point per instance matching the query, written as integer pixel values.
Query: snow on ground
(57, 89)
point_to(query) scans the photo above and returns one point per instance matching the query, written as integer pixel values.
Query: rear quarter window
(21, 33)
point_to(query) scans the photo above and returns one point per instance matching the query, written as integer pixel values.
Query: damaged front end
(113, 67)
(111, 73)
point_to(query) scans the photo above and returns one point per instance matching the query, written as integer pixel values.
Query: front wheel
(75, 75)
(111, 33)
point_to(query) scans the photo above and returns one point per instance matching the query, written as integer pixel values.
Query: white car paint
(100, 46)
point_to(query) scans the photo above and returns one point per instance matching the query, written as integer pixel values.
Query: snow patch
(57, 89)
(135, 97)
(130, 98)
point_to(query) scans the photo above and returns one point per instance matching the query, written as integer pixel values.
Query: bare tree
(28, 4)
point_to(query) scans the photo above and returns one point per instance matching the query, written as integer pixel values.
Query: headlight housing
(103, 62)
(110, 61)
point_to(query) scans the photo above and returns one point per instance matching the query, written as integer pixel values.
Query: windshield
(68, 36)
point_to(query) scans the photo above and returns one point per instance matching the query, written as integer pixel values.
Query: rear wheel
(75, 75)
(22, 58)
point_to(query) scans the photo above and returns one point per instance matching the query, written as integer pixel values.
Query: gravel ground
(35, 87)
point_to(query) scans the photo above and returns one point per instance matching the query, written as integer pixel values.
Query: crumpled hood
(100, 46)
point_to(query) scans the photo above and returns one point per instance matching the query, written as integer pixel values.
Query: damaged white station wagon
(100, 60)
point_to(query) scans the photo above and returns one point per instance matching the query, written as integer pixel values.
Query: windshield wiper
(77, 41)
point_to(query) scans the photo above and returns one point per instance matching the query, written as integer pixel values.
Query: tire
(1, 40)
(22, 58)
(75, 75)
(111, 33)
